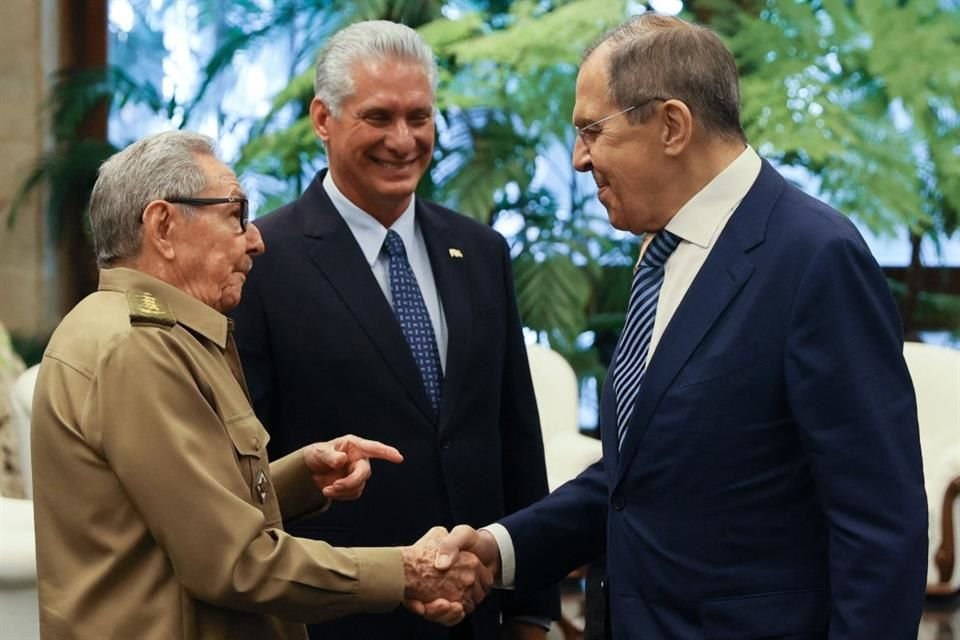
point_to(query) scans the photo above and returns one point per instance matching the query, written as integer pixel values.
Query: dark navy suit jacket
(324, 355)
(770, 483)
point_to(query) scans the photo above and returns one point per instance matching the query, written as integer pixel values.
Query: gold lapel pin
(455, 253)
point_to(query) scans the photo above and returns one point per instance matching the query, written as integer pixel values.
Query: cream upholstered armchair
(568, 452)
(936, 378)
(19, 614)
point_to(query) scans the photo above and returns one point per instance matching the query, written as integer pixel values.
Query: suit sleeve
(524, 468)
(175, 460)
(562, 532)
(854, 404)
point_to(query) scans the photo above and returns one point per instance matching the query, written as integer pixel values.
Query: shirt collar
(186, 309)
(366, 229)
(700, 220)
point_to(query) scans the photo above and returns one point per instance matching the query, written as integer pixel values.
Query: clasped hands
(447, 575)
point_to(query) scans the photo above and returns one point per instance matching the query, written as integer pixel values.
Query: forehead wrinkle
(227, 179)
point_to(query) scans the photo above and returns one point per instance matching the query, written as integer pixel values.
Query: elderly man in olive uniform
(157, 512)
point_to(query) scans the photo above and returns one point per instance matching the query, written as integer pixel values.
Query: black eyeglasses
(244, 217)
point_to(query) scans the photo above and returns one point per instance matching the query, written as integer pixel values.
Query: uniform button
(617, 502)
(255, 442)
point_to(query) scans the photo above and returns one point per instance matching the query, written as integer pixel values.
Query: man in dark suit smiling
(390, 317)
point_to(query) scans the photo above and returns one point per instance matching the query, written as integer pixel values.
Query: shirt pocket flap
(248, 435)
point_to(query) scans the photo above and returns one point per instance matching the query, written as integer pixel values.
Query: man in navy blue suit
(382, 314)
(761, 472)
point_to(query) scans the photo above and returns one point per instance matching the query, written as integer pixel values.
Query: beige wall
(29, 294)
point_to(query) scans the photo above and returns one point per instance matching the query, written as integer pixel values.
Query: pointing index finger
(373, 449)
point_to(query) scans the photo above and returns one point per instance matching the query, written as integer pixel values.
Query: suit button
(617, 502)
(444, 444)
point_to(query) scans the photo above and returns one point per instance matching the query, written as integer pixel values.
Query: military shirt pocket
(250, 445)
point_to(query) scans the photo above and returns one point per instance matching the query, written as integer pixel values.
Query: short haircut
(160, 166)
(656, 55)
(373, 40)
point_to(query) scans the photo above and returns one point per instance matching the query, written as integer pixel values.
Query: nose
(400, 138)
(581, 155)
(254, 240)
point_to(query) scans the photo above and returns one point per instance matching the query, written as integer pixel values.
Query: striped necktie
(631, 360)
(411, 313)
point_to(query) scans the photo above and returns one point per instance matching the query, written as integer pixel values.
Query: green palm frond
(552, 294)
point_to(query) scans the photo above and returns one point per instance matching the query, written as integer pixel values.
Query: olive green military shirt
(156, 510)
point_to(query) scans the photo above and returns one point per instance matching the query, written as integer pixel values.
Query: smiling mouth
(394, 165)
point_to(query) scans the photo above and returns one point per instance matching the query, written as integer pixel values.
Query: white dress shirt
(370, 235)
(698, 224)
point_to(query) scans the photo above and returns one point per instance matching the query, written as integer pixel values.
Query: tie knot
(660, 249)
(394, 245)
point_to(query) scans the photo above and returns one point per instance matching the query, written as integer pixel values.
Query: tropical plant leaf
(552, 294)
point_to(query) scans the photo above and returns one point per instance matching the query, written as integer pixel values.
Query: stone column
(29, 295)
(36, 270)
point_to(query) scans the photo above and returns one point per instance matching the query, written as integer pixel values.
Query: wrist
(409, 557)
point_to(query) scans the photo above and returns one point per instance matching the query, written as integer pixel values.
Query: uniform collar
(187, 310)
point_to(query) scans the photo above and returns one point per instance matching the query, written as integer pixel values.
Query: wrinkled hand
(481, 543)
(341, 467)
(447, 595)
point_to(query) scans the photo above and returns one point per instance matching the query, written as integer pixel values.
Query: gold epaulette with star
(144, 307)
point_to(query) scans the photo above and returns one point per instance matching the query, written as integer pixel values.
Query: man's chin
(230, 297)
(616, 219)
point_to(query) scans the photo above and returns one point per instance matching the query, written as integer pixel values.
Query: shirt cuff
(508, 561)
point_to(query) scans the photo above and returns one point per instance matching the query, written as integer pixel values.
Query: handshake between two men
(446, 574)
(443, 575)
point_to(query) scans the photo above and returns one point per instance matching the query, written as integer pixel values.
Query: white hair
(160, 166)
(375, 40)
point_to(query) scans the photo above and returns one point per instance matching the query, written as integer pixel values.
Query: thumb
(324, 456)
(460, 538)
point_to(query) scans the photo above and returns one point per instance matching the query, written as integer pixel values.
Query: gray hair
(655, 55)
(160, 166)
(373, 40)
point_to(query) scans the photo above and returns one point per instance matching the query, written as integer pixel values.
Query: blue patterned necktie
(411, 313)
(634, 345)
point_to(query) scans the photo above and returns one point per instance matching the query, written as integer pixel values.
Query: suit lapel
(724, 273)
(333, 249)
(449, 273)
(608, 420)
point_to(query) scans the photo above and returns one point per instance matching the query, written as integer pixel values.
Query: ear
(159, 223)
(320, 116)
(677, 127)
